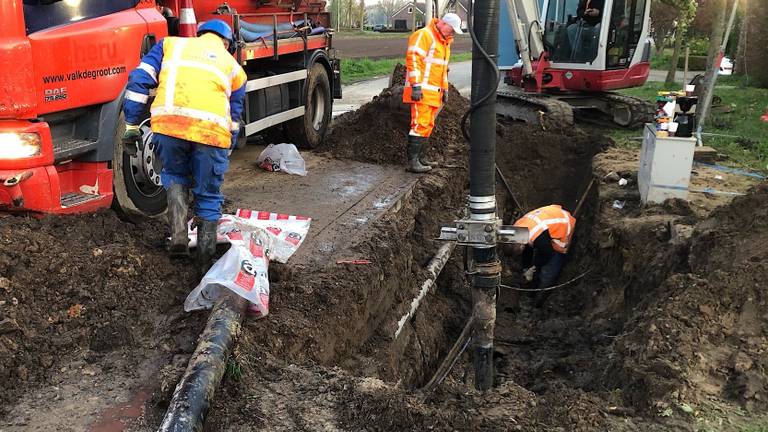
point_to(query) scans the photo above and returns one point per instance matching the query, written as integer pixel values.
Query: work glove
(131, 138)
(416, 93)
(528, 273)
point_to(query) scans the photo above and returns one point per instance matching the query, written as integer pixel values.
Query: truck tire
(309, 130)
(136, 181)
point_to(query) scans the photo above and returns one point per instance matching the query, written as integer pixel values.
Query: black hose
(476, 44)
(194, 393)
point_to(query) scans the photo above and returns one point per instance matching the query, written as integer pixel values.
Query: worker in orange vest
(426, 83)
(550, 230)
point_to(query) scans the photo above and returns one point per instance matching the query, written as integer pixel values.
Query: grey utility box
(665, 166)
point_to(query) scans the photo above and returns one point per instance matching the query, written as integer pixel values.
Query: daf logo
(55, 94)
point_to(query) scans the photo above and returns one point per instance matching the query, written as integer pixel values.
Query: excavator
(567, 58)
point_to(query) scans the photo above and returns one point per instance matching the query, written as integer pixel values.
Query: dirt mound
(378, 131)
(80, 285)
(702, 334)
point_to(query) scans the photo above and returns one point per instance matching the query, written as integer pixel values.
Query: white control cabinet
(665, 166)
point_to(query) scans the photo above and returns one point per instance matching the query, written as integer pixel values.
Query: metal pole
(702, 111)
(428, 15)
(482, 190)
(685, 70)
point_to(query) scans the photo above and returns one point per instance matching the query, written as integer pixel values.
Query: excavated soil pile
(378, 131)
(82, 286)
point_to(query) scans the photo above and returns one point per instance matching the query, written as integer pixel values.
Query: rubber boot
(206, 245)
(423, 154)
(177, 219)
(414, 149)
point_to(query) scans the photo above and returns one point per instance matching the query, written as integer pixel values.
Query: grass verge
(353, 70)
(740, 134)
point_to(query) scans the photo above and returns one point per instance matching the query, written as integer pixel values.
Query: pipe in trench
(486, 274)
(434, 268)
(194, 392)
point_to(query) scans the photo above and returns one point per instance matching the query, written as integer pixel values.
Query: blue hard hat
(218, 27)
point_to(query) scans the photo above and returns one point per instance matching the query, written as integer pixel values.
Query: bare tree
(390, 7)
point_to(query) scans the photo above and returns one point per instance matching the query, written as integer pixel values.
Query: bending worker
(550, 230)
(426, 83)
(195, 120)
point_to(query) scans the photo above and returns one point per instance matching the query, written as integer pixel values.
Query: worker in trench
(195, 119)
(426, 83)
(550, 230)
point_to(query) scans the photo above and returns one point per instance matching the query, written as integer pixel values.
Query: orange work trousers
(423, 119)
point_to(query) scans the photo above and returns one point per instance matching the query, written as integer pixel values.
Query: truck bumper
(74, 187)
(37, 184)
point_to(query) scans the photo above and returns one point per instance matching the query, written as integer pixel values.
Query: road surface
(460, 75)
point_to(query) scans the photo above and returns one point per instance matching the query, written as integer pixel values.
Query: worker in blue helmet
(195, 119)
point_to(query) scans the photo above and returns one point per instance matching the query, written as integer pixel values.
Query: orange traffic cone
(187, 21)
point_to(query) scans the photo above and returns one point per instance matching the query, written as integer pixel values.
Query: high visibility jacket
(200, 90)
(554, 219)
(427, 63)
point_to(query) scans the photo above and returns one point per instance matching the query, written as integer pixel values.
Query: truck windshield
(43, 14)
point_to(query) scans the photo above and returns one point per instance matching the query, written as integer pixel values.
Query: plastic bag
(282, 157)
(256, 238)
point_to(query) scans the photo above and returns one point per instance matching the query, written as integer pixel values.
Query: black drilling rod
(482, 164)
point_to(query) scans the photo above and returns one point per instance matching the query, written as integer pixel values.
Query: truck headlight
(19, 145)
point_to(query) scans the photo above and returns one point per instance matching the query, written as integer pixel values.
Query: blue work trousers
(551, 270)
(194, 165)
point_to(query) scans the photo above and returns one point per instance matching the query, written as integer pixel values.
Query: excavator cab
(576, 30)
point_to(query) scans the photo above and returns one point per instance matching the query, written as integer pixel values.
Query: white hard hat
(454, 21)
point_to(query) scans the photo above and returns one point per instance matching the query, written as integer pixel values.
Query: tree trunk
(741, 50)
(362, 15)
(679, 35)
(757, 40)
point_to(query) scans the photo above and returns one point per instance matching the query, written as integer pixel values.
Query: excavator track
(639, 111)
(542, 110)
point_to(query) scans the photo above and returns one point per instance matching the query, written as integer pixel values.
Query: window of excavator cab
(44, 14)
(569, 37)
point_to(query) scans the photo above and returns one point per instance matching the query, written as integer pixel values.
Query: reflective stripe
(202, 66)
(234, 126)
(187, 16)
(149, 69)
(414, 74)
(425, 78)
(136, 97)
(414, 59)
(538, 229)
(417, 49)
(567, 224)
(436, 61)
(170, 86)
(224, 122)
(559, 243)
(426, 86)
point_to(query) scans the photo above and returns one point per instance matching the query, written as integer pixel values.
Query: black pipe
(194, 393)
(486, 274)
(482, 127)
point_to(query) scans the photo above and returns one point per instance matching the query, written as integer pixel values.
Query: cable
(547, 288)
(489, 59)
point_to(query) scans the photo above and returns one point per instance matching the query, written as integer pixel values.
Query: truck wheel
(136, 180)
(309, 131)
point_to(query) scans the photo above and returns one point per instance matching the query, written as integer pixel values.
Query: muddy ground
(664, 327)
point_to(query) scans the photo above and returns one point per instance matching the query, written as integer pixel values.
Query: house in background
(403, 19)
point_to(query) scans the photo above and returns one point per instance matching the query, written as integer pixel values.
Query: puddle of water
(116, 418)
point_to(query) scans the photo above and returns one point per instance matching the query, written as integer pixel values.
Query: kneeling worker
(550, 230)
(426, 83)
(195, 118)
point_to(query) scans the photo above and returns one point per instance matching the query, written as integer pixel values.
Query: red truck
(64, 65)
